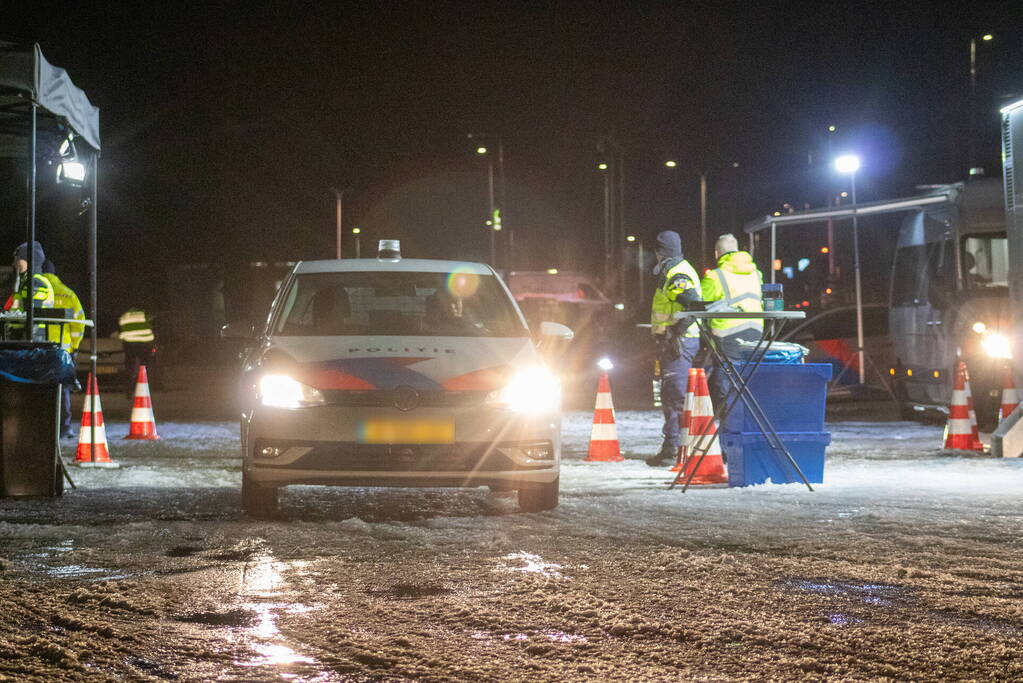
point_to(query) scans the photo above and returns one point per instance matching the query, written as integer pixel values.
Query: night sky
(225, 129)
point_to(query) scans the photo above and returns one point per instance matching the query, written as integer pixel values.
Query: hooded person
(677, 340)
(42, 292)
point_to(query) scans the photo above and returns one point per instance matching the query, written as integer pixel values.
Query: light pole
(702, 175)
(338, 195)
(358, 251)
(849, 164)
(494, 217)
(987, 37)
(603, 167)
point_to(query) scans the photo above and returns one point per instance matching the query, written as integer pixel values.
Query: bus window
(940, 273)
(986, 261)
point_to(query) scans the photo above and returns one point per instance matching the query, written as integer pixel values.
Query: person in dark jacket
(677, 341)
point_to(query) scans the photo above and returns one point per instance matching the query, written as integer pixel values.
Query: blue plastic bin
(792, 395)
(751, 461)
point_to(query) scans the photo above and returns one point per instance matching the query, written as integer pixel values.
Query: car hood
(382, 363)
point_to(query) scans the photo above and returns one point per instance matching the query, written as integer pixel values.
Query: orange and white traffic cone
(961, 431)
(1010, 397)
(93, 432)
(604, 436)
(143, 423)
(703, 439)
(685, 419)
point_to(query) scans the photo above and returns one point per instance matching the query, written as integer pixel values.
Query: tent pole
(30, 298)
(93, 187)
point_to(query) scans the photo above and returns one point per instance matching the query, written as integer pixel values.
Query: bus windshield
(985, 261)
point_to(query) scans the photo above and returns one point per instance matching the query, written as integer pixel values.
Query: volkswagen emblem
(406, 398)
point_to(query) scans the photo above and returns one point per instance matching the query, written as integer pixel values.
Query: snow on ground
(906, 563)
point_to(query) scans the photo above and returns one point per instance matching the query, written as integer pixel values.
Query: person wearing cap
(735, 285)
(676, 338)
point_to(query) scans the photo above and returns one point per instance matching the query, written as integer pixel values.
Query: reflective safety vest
(70, 334)
(664, 305)
(42, 296)
(737, 282)
(134, 327)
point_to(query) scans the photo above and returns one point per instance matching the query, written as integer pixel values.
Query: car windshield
(355, 303)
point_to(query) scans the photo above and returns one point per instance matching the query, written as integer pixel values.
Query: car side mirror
(555, 332)
(238, 332)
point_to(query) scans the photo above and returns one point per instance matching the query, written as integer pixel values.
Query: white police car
(398, 372)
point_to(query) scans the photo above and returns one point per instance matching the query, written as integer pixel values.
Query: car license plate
(106, 370)
(406, 431)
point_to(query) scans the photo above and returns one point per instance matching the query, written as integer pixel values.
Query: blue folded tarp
(37, 366)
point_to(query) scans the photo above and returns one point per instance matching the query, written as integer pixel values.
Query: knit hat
(669, 245)
(726, 244)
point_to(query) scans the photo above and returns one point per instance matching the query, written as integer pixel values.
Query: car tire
(258, 501)
(538, 497)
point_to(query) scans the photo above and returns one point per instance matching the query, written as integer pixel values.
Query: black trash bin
(30, 380)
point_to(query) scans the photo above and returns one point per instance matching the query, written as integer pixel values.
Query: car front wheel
(538, 497)
(258, 501)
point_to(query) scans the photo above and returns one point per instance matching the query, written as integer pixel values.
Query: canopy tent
(40, 103)
(26, 78)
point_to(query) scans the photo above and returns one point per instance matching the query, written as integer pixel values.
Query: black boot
(664, 458)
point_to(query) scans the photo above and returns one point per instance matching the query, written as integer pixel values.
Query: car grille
(479, 457)
(386, 398)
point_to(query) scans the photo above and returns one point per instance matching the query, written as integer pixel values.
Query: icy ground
(906, 564)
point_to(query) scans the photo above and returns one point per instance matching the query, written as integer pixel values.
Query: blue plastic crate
(752, 461)
(792, 395)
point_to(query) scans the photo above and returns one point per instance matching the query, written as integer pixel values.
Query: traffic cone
(710, 467)
(961, 431)
(604, 436)
(1010, 397)
(685, 419)
(143, 423)
(93, 430)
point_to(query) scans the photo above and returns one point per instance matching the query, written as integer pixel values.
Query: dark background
(225, 128)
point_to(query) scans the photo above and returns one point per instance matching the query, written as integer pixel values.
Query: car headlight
(996, 345)
(532, 391)
(281, 391)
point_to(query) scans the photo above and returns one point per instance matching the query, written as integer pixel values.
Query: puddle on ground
(41, 561)
(840, 619)
(871, 593)
(553, 636)
(533, 564)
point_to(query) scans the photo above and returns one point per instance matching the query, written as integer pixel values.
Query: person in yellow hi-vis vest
(42, 292)
(677, 341)
(735, 285)
(135, 330)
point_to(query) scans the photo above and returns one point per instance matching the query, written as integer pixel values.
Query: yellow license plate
(106, 370)
(406, 431)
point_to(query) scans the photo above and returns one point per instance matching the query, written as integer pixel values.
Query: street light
(358, 251)
(493, 216)
(987, 37)
(848, 164)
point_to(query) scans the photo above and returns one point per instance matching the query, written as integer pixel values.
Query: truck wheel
(259, 502)
(535, 497)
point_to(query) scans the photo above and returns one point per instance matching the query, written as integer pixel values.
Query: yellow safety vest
(42, 295)
(664, 305)
(64, 297)
(135, 327)
(737, 282)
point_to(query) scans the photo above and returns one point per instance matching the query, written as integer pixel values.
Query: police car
(398, 372)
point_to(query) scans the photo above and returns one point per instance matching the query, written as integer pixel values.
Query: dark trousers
(674, 380)
(136, 354)
(65, 409)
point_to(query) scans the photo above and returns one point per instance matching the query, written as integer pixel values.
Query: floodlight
(847, 163)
